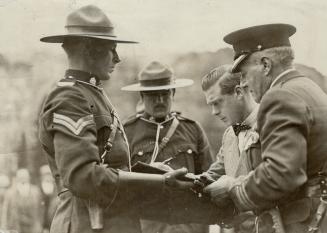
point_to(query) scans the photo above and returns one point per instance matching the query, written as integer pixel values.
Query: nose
(160, 99)
(115, 58)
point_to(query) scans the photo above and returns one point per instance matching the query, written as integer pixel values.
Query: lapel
(291, 75)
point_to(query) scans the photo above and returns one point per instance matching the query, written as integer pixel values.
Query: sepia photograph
(151, 116)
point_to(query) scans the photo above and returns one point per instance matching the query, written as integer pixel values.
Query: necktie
(240, 127)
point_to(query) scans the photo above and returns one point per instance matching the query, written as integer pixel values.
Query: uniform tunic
(188, 147)
(74, 126)
(292, 125)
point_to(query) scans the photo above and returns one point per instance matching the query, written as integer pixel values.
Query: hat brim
(178, 83)
(61, 38)
(238, 61)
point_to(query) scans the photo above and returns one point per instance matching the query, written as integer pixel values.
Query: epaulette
(66, 82)
(132, 119)
(180, 117)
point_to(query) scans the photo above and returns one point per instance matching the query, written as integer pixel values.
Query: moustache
(160, 106)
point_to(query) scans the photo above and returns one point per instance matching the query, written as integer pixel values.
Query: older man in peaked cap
(83, 138)
(290, 184)
(161, 135)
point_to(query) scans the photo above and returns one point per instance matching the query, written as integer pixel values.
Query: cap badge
(93, 81)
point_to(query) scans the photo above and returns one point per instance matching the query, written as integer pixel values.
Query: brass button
(140, 153)
(189, 151)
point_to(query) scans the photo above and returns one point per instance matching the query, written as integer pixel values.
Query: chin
(104, 76)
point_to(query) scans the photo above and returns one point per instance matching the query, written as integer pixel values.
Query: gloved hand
(178, 179)
(219, 190)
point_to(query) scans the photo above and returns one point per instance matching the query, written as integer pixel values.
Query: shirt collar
(148, 118)
(252, 117)
(281, 75)
(83, 76)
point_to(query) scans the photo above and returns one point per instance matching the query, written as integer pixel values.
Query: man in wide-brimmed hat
(83, 138)
(160, 135)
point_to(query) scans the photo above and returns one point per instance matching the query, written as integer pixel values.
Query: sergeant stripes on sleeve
(74, 126)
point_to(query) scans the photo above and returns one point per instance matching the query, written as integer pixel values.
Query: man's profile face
(157, 103)
(253, 74)
(225, 106)
(104, 58)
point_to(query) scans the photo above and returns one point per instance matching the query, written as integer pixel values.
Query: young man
(83, 139)
(160, 135)
(233, 104)
(292, 125)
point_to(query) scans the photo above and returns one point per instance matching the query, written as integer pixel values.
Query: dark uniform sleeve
(283, 123)
(69, 119)
(204, 154)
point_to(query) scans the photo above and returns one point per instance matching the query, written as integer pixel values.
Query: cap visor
(178, 83)
(61, 38)
(237, 62)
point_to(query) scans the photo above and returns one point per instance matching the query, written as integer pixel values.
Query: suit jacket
(292, 125)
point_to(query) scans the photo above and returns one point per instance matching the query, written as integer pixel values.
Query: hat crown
(155, 71)
(88, 16)
(87, 22)
(157, 76)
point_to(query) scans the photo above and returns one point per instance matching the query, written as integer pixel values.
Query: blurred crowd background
(27, 193)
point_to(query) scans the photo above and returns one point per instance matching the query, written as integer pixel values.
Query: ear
(267, 65)
(238, 92)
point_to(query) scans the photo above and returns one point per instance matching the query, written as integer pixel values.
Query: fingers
(179, 172)
(208, 188)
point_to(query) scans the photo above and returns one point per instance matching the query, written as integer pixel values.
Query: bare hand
(177, 179)
(219, 189)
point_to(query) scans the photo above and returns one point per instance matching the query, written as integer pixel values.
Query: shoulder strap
(170, 133)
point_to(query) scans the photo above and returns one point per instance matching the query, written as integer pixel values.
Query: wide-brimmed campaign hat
(88, 22)
(157, 76)
(257, 38)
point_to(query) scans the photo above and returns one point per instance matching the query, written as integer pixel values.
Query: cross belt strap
(170, 133)
(111, 138)
(164, 140)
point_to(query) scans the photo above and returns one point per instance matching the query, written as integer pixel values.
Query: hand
(177, 179)
(162, 166)
(219, 189)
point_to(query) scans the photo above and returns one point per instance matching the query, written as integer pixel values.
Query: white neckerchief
(281, 75)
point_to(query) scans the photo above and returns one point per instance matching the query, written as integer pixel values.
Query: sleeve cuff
(241, 198)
